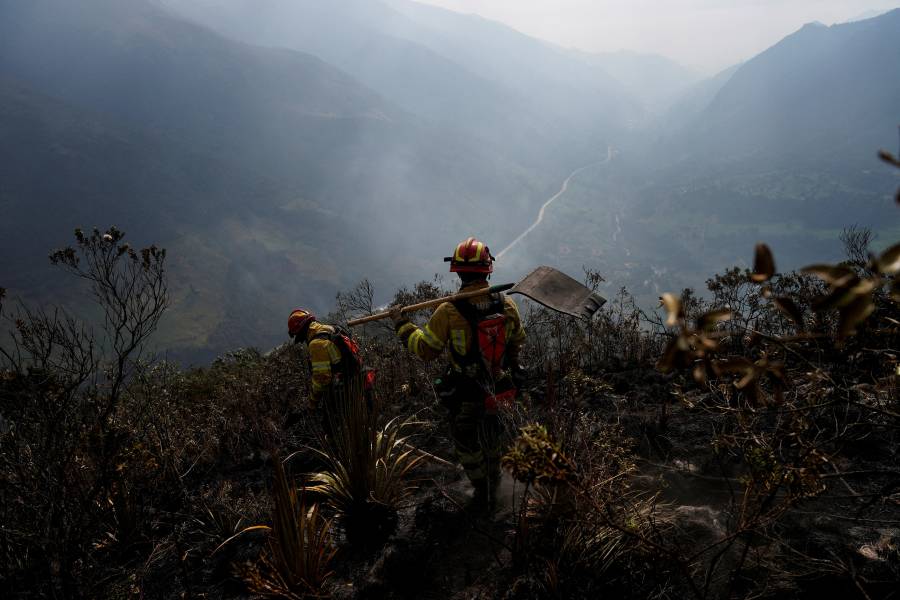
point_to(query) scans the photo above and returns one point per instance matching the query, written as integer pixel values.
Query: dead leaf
(708, 344)
(763, 264)
(888, 158)
(748, 378)
(675, 310)
(889, 261)
(790, 308)
(834, 299)
(700, 373)
(853, 314)
(830, 274)
(846, 294)
(666, 362)
(736, 364)
(713, 317)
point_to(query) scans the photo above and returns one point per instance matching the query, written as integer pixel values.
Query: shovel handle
(429, 303)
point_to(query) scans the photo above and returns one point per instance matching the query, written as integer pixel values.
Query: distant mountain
(350, 35)
(653, 80)
(501, 53)
(515, 93)
(130, 60)
(695, 99)
(273, 177)
(67, 167)
(826, 93)
(579, 98)
(781, 149)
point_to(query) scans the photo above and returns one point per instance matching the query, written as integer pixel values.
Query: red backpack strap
(488, 344)
(351, 356)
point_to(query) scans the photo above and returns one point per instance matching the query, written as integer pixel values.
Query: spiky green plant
(366, 467)
(535, 457)
(295, 563)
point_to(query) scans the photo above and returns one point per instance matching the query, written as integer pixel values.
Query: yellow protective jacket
(448, 328)
(324, 358)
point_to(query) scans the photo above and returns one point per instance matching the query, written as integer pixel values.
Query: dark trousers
(476, 436)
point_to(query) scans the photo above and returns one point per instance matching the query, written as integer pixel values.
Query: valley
(280, 164)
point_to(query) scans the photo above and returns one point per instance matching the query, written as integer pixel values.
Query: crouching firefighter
(335, 364)
(484, 336)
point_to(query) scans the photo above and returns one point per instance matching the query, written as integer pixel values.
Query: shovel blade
(557, 291)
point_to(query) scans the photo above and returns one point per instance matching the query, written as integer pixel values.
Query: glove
(397, 316)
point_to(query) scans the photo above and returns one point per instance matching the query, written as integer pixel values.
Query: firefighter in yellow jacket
(336, 365)
(484, 337)
(324, 355)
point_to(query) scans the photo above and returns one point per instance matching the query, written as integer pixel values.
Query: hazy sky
(705, 34)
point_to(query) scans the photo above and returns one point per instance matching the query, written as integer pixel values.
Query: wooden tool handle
(429, 303)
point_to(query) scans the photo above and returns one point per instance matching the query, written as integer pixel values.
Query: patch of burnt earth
(411, 560)
(654, 417)
(441, 552)
(527, 587)
(644, 383)
(857, 553)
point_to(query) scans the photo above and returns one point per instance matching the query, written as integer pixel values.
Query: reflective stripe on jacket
(324, 357)
(448, 328)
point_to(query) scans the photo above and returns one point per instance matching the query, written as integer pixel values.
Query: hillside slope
(522, 97)
(277, 178)
(655, 81)
(823, 91)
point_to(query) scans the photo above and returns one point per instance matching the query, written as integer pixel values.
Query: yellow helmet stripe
(462, 248)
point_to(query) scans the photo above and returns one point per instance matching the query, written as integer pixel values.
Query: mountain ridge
(307, 169)
(788, 92)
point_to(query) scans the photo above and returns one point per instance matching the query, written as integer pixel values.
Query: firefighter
(334, 360)
(324, 354)
(483, 336)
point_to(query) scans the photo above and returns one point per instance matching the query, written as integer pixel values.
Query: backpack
(487, 353)
(351, 357)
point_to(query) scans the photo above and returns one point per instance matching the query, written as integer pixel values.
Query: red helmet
(471, 256)
(299, 321)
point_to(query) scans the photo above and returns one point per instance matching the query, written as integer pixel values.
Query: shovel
(545, 285)
(557, 291)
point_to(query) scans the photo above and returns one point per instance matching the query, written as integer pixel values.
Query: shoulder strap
(472, 315)
(339, 338)
(342, 330)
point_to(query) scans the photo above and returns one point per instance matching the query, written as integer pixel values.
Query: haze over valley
(283, 151)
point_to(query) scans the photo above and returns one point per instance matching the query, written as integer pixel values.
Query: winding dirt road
(562, 190)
